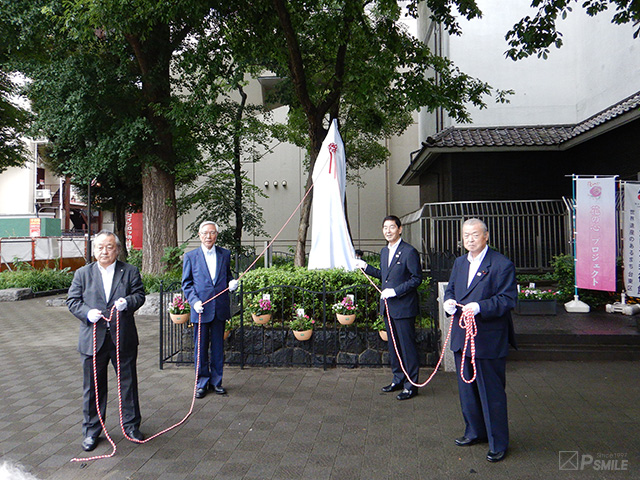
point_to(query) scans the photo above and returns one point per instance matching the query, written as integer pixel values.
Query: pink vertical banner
(596, 233)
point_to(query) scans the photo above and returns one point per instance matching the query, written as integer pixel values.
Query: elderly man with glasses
(206, 274)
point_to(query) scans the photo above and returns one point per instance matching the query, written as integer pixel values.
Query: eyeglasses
(208, 234)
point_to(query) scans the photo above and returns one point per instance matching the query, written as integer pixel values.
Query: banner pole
(575, 305)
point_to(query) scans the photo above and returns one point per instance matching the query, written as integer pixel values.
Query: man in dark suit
(206, 272)
(96, 288)
(484, 281)
(401, 275)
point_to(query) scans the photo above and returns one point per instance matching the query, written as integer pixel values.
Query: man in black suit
(401, 275)
(206, 272)
(96, 288)
(484, 281)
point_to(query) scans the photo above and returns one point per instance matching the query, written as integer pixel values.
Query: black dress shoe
(406, 394)
(467, 442)
(89, 443)
(496, 456)
(201, 393)
(392, 387)
(135, 434)
(218, 390)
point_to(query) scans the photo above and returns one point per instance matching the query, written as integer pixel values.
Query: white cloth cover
(331, 245)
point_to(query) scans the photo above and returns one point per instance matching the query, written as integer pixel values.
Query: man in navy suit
(206, 272)
(96, 288)
(484, 281)
(401, 275)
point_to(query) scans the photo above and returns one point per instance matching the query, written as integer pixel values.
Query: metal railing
(529, 232)
(331, 344)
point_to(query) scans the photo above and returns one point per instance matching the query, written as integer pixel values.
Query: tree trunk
(305, 213)
(159, 217)
(317, 134)
(237, 174)
(159, 214)
(120, 227)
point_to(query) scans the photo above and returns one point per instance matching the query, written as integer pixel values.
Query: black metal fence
(273, 344)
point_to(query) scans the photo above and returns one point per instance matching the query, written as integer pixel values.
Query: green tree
(146, 40)
(88, 109)
(349, 60)
(14, 120)
(231, 133)
(535, 35)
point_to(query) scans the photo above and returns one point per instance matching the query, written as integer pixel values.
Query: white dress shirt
(392, 251)
(212, 261)
(474, 264)
(107, 278)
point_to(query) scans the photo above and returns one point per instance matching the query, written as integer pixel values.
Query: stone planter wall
(345, 347)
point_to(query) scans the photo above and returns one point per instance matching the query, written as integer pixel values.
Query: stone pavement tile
(302, 423)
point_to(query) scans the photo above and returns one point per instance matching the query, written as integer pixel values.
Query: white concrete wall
(16, 191)
(596, 67)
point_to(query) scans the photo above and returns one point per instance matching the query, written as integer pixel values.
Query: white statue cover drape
(331, 244)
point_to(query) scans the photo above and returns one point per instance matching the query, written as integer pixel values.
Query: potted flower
(179, 309)
(345, 310)
(301, 324)
(261, 311)
(381, 328)
(536, 301)
(230, 325)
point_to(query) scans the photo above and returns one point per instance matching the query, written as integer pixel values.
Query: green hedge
(36, 280)
(338, 283)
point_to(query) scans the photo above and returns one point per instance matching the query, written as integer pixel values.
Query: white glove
(198, 307)
(473, 306)
(388, 293)
(359, 263)
(233, 285)
(450, 306)
(94, 315)
(120, 304)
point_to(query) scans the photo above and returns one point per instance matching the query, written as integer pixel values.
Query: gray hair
(111, 234)
(475, 221)
(208, 222)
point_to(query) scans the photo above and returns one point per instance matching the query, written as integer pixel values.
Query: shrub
(37, 280)
(338, 284)
(564, 268)
(135, 258)
(152, 282)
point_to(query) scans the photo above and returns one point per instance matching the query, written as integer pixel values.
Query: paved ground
(305, 423)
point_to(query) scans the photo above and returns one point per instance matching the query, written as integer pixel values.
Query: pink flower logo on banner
(596, 191)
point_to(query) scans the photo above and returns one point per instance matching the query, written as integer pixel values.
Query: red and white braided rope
(468, 324)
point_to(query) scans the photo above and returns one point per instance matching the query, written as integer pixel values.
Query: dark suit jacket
(494, 289)
(404, 275)
(198, 286)
(87, 292)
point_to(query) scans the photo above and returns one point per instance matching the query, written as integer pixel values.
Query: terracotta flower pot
(179, 319)
(302, 335)
(383, 335)
(346, 319)
(261, 319)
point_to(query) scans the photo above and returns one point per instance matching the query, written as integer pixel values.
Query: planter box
(536, 307)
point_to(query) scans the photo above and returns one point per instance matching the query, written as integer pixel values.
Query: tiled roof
(541, 135)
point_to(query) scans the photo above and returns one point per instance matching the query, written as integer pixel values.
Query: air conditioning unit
(43, 194)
